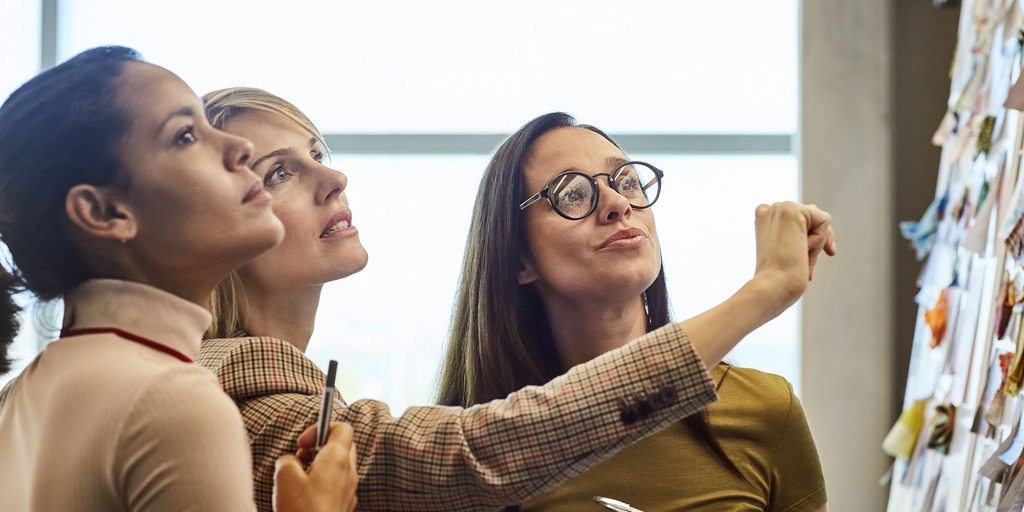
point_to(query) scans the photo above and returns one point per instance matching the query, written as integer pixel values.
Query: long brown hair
(500, 338)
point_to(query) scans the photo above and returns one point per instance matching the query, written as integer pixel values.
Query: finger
(761, 209)
(816, 241)
(339, 441)
(812, 260)
(816, 217)
(288, 471)
(819, 237)
(305, 455)
(341, 432)
(291, 485)
(830, 245)
(354, 477)
(307, 439)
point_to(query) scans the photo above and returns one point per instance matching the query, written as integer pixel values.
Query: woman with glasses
(117, 196)
(445, 458)
(574, 272)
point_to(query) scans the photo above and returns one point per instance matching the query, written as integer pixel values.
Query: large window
(389, 345)
(418, 90)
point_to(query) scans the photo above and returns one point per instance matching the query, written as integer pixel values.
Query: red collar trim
(128, 336)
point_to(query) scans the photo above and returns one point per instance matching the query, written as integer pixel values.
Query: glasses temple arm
(532, 199)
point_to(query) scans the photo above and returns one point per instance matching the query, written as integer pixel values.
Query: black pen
(615, 505)
(323, 424)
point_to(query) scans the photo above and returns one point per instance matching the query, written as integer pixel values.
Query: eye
(276, 176)
(186, 136)
(319, 156)
(574, 200)
(573, 195)
(629, 183)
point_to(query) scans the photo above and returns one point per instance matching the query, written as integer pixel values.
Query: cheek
(554, 249)
(297, 223)
(652, 229)
(655, 243)
(289, 218)
(169, 209)
(278, 265)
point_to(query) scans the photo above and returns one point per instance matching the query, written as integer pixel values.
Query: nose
(611, 205)
(330, 183)
(237, 152)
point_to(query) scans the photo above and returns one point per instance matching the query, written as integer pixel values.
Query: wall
(925, 41)
(874, 80)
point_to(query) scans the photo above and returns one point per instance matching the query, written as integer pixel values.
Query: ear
(527, 271)
(96, 211)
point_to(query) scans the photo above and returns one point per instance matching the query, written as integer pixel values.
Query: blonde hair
(225, 104)
(228, 299)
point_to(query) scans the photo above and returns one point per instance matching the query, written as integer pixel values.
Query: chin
(348, 266)
(269, 235)
(263, 240)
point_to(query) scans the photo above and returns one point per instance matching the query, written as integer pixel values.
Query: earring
(124, 240)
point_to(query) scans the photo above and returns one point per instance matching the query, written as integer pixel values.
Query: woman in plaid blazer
(450, 458)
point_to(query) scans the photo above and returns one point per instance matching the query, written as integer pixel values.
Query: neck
(289, 315)
(114, 260)
(583, 331)
(195, 289)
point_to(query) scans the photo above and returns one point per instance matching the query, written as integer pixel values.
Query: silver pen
(615, 505)
(323, 424)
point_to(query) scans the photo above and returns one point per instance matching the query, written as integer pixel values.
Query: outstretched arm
(790, 236)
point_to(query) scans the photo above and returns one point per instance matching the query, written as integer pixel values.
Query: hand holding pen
(331, 479)
(329, 484)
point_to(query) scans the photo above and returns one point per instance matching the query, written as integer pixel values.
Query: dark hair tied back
(59, 129)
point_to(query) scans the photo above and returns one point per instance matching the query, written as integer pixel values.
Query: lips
(624, 234)
(255, 192)
(339, 221)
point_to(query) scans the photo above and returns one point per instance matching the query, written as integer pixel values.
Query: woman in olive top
(587, 277)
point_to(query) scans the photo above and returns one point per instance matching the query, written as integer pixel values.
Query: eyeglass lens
(575, 194)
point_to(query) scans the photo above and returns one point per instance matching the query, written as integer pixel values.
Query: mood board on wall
(957, 445)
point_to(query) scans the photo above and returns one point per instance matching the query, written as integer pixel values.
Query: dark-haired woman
(563, 265)
(117, 196)
(447, 458)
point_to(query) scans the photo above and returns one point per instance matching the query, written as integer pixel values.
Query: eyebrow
(181, 112)
(279, 152)
(272, 154)
(615, 161)
(612, 161)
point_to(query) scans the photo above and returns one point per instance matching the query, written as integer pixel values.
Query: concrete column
(846, 151)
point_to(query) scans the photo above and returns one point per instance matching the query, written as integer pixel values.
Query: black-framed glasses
(574, 194)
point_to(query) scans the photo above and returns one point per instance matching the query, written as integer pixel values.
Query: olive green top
(761, 426)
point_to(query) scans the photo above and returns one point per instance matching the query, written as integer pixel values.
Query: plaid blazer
(481, 458)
